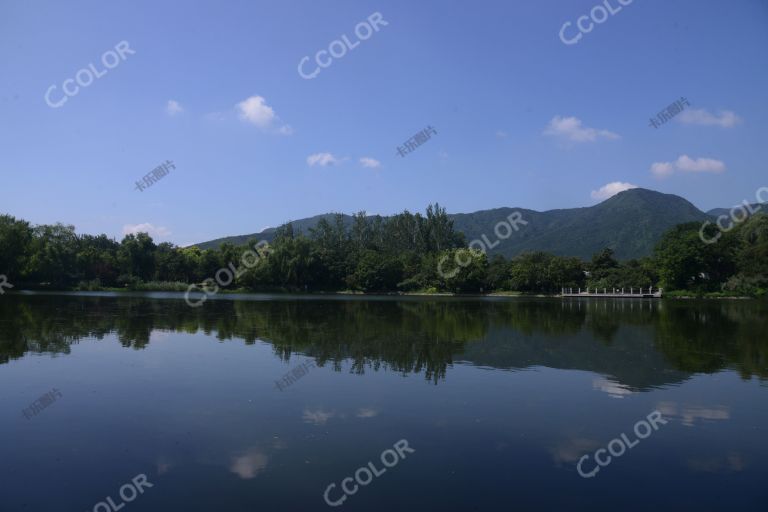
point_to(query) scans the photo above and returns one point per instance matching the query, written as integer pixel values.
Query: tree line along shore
(404, 253)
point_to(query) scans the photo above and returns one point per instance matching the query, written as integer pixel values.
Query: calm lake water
(498, 399)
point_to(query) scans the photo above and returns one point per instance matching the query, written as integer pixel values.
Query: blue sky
(522, 119)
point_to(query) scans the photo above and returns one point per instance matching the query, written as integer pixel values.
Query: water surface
(499, 399)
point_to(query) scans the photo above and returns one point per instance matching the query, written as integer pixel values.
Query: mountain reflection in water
(637, 345)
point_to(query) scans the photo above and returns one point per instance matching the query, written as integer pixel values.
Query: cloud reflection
(731, 463)
(612, 388)
(571, 450)
(690, 413)
(250, 464)
(318, 416)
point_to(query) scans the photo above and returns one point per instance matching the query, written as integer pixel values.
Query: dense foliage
(402, 253)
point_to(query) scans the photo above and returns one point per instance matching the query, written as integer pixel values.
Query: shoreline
(501, 294)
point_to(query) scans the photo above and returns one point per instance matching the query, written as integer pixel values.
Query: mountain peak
(630, 222)
(646, 194)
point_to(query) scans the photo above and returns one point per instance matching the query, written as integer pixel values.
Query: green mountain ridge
(751, 210)
(630, 223)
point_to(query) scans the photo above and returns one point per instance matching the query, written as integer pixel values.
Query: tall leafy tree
(53, 255)
(15, 245)
(137, 256)
(686, 262)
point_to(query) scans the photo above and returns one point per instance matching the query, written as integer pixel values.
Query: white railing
(615, 292)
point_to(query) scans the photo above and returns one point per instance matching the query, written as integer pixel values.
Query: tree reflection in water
(639, 344)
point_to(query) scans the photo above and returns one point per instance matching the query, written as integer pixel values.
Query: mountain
(750, 210)
(630, 223)
(299, 226)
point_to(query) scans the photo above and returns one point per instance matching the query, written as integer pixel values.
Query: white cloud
(153, 231)
(687, 164)
(571, 129)
(255, 110)
(611, 189)
(724, 119)
(322, 159)
(662, 169)
(501, 134)
(215, 116)
(173, 107)
(371, 163)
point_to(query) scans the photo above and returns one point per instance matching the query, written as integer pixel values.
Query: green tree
(463, 270)
(686, 262)
(136, 257)
(376, 272)
(53, 255)
(15, 245)
(96, 259)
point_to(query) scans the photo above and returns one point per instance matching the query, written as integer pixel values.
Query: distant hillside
(299, 226)
(756, 207)
(630, 223)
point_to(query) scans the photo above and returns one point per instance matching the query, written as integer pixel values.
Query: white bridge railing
(615, 292)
